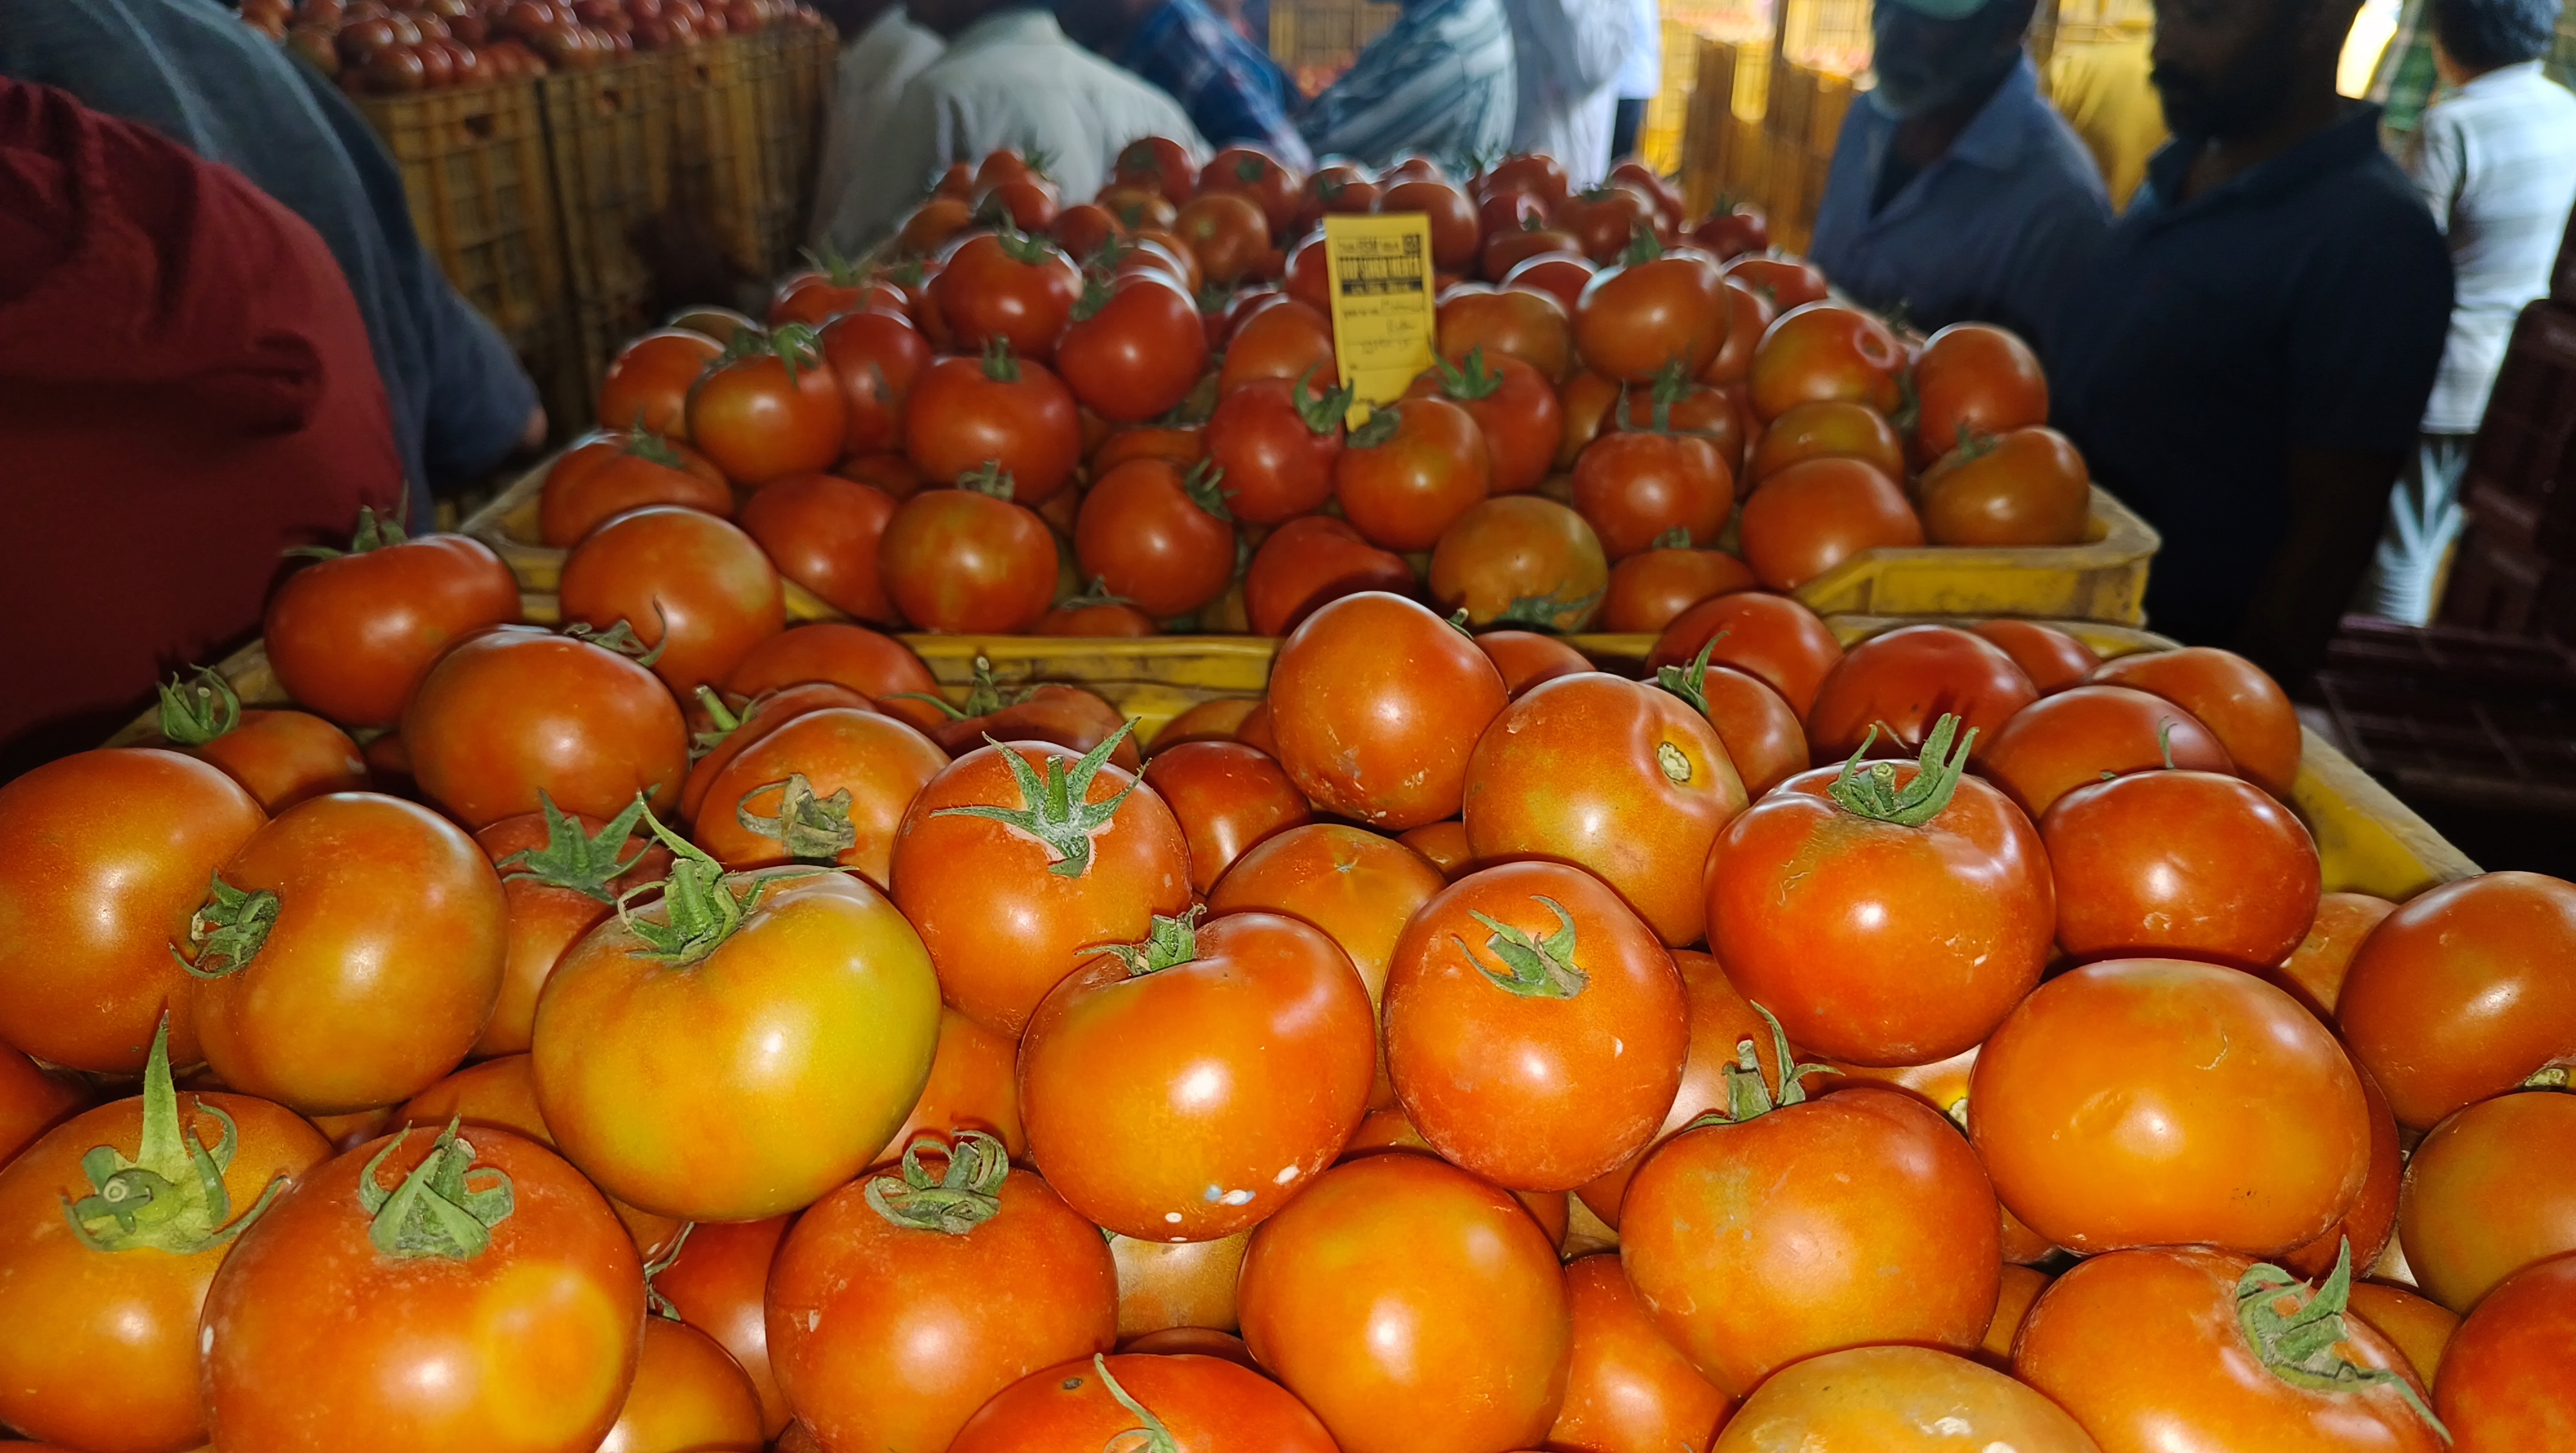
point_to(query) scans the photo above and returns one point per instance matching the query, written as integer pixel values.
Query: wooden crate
(1326, 34)
(482, 195)
(609, 133)
(715, 146)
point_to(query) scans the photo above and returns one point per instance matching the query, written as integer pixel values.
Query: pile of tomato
(598, 1038)
(1123, 416)
(426, 45)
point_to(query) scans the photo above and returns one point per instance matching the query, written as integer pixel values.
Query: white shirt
(1011, 80)
(2496, 161)
(875, 65)
(1569, 56)
(1641, 76)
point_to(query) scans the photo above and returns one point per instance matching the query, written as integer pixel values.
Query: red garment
(185, 391)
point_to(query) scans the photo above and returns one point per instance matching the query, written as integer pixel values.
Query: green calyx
(1643, 246)
(1470, 378)
(584, 862)
(1000, 365)
(992, 479)
(1204, 485)
(1748, 1095)
(228, 929)
(1672, 384)
(2298, 1346)
(1323, 411)
(1055, 807)
(1676, 538)
(1690, 683)
(1150, 1435)
(1097, 278)
(722, 714)
(1379, 427)
(1170, 943)
(1096, 593)
(1250, 168)
(1457, 621)
(654, 1302)
(985, 696)
(837, 270)
(809, 828)
(966, 1195)
(700, 909)
(1533, 967)
(1873, 793)
(204, 709)
(170, 1196)
(1544, 612)
(1028, 249)
(620, 639)
(375, 532)
(646, 445)
(795, 346)
(435, 1211)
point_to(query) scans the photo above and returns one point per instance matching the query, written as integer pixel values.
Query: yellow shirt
(2101, 88)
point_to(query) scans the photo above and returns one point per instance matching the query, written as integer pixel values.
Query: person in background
(1955, 192)
(186, 390)
(1439, 81)
(2246, 359)
(1568, 54)
(194, 72)
(881, 51)
(2495, 159)
(1234, 92)
(1641, 76)
(2102, 89)
(1009, 78)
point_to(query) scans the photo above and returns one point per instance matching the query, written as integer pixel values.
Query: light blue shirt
(1440, 81)
(1996, 231)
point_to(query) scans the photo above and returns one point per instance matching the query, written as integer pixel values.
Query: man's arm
(2337, 500)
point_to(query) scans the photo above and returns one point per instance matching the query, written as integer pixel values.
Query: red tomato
(877, 356)
(1810, 518)
(1454, 231)
(693, 586)
(1228, 797)
(2052, 659)
(1560, 275)
(1975, 378)
(1830, 429)
(516, 714)
(352, 635)
(1514, 408)
(1628, 1388)
(1397, 1283)
(1256, 174)
(1519, 560)
(973, 1086)
(2108, 1119)
(717, 1280)
(1784, 282)
(1731, 231)
(1826, 351)
(999, 411)
(1359, 888)
(2314, 972)
(2481, 1200)
(1335, 189)
(889, 1328)
(1649, 589)
(1505, 251)
(506, 1261)
(1888, 917)
(2245, 708)
(1762, 735)
(1605, 220)
(1073, 854)
(1523, 323)
(1652, 312)
(1309, 562)
(1068, 716)
(280, 757)
(1720, 1024)
(1676, 405)
(771, 409)
(2413, 1325)
(1638, 488)
(2025, 488)
(99, 1305)
(561, 874)
(1903, 682)
(1085, 230)
(816, 294)
(1226, 232)
(658, 1054)
(687, 1394)
(609, 474)
(1159, 164)
(1542, 177)
(1748, 316)
(1900, 1400)
(876, 666)
(2088, 733)
(1770, 637)
(963, 560)
(1285, 340)
(2459, 996)
(2180, 862)
(828, 786)
(33, 1100)
(647, 384)
(2504, 1379)
(1199, 1401)
(1526, 659)
(1411, 471)
(1157, 536)
(1534, 1025)
(1007, 287)
(1135, 348)
(1278, 444)
(1376, 704)
(821, 531)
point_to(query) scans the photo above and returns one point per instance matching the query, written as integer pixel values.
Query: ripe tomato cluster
(1124, 416)
(1944, 1042)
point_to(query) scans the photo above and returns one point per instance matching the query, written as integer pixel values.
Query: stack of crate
(609, 132)
(1315, 40)
(1800, 127)
(2515, 570)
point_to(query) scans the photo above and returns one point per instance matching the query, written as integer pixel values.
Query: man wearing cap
(1955, 192)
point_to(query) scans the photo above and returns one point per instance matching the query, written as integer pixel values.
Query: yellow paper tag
(1382, 302)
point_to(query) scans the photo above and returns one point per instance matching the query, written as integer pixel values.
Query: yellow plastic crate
(482, 193)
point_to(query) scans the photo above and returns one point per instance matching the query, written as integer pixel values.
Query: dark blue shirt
(1996, 230)
(2301, 305)
(1235, 93)
(194, 72)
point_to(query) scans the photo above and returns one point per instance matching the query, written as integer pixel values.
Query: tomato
(876, 666)
(1626, 1387)
(1810, 518)
(724, 728)
(1733, 229)
(1639, 488)
(2188, 1348)
(111, 1226)
(1735, 1280)
(1784, 282)
(1586, 403)
(973, 1086)
(1226, 232)
(816, 294)
(2084, 735)
(1899, 1400)
(1975, 378)
(1336, 188)
(688, 1394)
(1359, 888)
(2021, 1287)
(1748, 317)
(1213, 720)
(967, 560)
(1542, 177)
(1284, 340)
(2481, 1198)
(1522, 323)
(1376, 704)
(1534, 1025)
(876, 356)
(517, 712)
(1228, 797)
(1605, 220)
(2180, 862)
(280, 757)
(2247, 709)
(821, 531)
(2414, 1326)
(1068, 716)
(1008, 286)
(1411, 471)
(1017, 862)
(717, 1280)
(826, 787)
(2366, 1229)
(694, 586)
(612, 474)
(2315, 971)
(1647, 590)
(1826, 351)
(1159, 164)
(1278, 444)
(1000, 411)
(561, 873)
(1201, 1401)
(1762, 736)
(1397, 1283)
(893, 473)
(647, 384)
(352, 635)
(1904, 681)
(1520, 560)
(1559, 275)
(2026, 488)
(1454, 233)
(1652, 311)
(1028, 204)
(2052, 659)
(1255, 174)
(1677, 405)
(1309, 562)
(1085, 230)
(1134, 349)
(771, 408)
(2108, 1118)
(1505, 251)
(1515, 411)
(1770, 637)
(1888, 917)
(889, 1328)
(33, 1100)
(1158, 535)
(1831, 429)
(2504, 1378)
